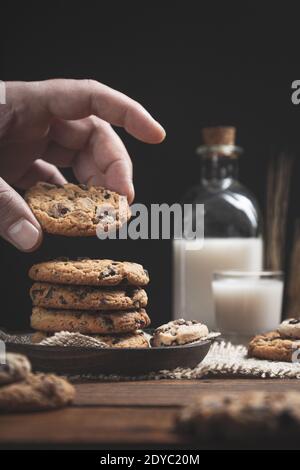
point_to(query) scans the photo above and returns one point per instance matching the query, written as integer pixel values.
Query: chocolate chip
(107, 273)
(129, 291)
(58, 210)
(49, 294)
(34, 292)
(107, 196)
(96, 220)
(63, 210)
(82, 258)
(81, 294)
(83, 186)
(108, 321)
(62, 300)
(294, 322)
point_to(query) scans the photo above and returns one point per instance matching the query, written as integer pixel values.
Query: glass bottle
(232, 229)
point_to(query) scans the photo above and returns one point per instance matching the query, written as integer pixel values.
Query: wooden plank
(169, 392)
(109, 428)
(122, 414)
(91, 426)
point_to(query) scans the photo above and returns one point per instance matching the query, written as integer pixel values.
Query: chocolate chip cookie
(62, 296)
(136, 339)
(273, 347)
(16, 368)
(90, 322)
(290, 328)
(227, 416)
(76, 210)
(90, 272)
(179, 332)
(36, 392)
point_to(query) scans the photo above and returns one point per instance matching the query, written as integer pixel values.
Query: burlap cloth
(223, 359)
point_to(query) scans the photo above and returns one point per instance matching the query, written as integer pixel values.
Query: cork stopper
(219, 135)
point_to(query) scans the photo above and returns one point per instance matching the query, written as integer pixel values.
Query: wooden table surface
(121, 415)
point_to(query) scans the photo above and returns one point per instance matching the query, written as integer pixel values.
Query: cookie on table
(76, 210)
(36, 392)
(129, 340)
(90, 272)
(231, 415)
(290, 328)
(48, 295)
(179, 332)
(273, 347)
(88, 322)
(15, 369)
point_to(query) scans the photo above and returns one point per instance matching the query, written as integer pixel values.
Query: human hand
(64, 123)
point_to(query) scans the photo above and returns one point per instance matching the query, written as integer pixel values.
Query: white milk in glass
(193, 272)
(247, 306)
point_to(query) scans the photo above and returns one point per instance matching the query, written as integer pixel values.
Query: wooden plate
(73, 360)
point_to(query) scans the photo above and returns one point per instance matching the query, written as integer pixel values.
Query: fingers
(17, 223)
(40, 171)
(111, 159)
(99, 157)
(77, 99)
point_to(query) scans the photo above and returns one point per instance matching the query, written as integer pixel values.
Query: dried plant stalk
(278, 189)
(293, 287)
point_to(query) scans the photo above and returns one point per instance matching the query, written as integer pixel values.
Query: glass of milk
(247, 303)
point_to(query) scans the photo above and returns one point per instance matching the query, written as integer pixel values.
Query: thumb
(17, 223)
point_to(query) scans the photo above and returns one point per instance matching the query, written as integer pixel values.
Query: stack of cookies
(100, 298)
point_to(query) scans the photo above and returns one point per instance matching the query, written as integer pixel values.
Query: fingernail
(131, 191)
(23, 234)
(162, 130)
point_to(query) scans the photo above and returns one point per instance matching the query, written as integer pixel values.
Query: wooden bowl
(130, 362)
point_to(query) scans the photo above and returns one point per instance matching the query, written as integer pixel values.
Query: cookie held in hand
(76, 210)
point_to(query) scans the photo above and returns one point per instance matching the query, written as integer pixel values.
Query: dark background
(190, 66)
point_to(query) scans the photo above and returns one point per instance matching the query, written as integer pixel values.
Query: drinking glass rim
(247, 274)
